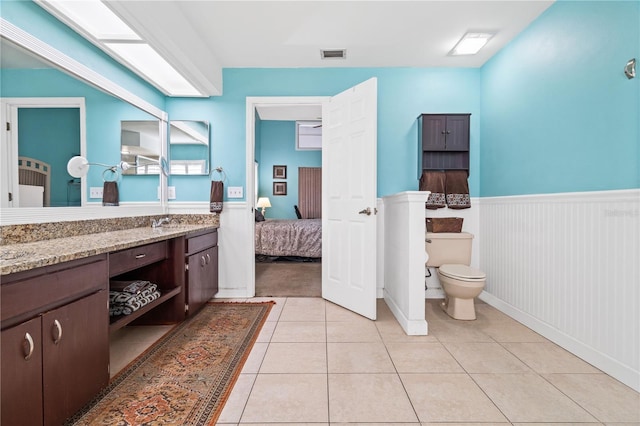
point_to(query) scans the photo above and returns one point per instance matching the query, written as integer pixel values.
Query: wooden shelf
(120, 321)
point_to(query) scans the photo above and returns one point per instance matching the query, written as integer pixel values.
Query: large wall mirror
(141, 146)
(189, 147)
(65, 107)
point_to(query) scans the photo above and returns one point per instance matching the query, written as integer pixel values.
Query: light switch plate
(234, 192)
(171, 192)
(95, 192)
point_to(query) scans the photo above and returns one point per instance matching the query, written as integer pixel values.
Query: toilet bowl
(461, 284)
(451, 254)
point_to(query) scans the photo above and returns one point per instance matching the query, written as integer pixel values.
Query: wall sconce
(78, 166)
(263, 202)
(630, 68)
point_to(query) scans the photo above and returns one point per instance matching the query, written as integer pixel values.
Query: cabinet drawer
(201, 242)
(26, 297)
(136, 257)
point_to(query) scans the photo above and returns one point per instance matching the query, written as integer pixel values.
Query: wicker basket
(444, 224)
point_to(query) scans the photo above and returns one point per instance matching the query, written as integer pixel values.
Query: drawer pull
(58, 328)
(202, 261)
(29, 340)
(140, 256)
(208, 258)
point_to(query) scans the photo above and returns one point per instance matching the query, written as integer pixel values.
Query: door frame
(249, 222)
(9, 155)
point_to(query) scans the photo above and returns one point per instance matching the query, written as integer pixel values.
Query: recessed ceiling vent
(333, 53)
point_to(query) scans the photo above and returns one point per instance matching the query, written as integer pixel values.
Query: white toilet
(451, 254)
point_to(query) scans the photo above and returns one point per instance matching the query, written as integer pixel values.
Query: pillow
(259, 216)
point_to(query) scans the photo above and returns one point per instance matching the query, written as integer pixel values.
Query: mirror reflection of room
(189, 147)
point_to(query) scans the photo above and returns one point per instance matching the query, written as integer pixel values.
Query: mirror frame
(63, 62)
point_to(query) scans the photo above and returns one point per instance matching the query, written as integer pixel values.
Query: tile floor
(316, 363)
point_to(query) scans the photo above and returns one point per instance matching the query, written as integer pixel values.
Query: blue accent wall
(558, 114)
(278, 147)
(403, 94)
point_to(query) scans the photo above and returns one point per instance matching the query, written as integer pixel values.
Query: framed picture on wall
(279, 172)
(279, 188)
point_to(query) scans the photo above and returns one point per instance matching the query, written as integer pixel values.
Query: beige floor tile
(420, 357)
(604, 397)
(364, 357)
(302, 331)
(295, 358)
(338, 313)
(378, 398)
(392, 332)
(234, 406)
(457, 331)
(254, 360)
(449, 398)
(485, 358)
(529, 398)
(303, 309)
(559, 424)
(383, 313)
(470, 424)
(287, 398)
(349, 331)
(504, 331)
(488, 314)
(547, 357)
(267, 331)
(434, 312)
(373, 424)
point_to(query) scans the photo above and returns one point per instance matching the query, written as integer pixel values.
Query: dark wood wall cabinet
(55, 322)
(443, 142)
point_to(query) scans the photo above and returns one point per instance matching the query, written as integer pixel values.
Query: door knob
(366, 211)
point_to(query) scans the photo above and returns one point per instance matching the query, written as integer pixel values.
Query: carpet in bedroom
(289, 279)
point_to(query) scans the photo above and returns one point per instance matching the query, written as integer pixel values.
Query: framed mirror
(141, 146)
(189, 147)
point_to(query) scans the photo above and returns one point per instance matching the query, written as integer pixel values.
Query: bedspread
(283, 237)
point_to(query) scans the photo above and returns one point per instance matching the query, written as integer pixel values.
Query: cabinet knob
(29, 347)
(58, 332)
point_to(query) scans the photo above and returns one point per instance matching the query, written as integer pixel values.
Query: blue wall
(558, 114)
(278, 147)
(403, 94)
(52, 135)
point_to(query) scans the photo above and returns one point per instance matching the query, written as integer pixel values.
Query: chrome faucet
(158, 223)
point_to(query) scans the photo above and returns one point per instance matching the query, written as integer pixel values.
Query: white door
(349, 139)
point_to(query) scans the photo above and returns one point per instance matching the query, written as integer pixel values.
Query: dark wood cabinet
(443, 142)
(201, 269)
(55, 351)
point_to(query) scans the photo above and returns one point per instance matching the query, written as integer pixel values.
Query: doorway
(275, 143)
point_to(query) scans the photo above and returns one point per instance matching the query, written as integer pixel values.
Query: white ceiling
(202, 37)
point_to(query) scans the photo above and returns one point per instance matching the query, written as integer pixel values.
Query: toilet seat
(462, 272)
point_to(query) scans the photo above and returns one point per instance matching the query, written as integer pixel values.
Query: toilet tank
(448, 247)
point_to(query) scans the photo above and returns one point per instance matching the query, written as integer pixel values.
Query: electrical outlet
(234, 192)
(95, 192)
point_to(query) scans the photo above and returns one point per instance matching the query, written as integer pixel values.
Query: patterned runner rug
(184, 378)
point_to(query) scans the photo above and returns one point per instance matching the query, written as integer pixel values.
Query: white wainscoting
(568, 266)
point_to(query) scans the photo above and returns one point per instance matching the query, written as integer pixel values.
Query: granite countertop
(23, 257)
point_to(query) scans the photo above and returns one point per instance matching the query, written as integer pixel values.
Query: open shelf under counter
(120, 321)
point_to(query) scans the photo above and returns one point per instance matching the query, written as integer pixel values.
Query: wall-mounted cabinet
(443, 142)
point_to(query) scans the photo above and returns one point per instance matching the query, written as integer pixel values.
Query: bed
(34, 178)
(284, 237)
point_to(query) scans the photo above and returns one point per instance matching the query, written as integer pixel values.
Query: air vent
(333, 53)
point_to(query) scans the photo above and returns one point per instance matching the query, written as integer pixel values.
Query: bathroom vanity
(55, 316)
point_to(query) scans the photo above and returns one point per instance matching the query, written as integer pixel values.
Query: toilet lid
(462, 271)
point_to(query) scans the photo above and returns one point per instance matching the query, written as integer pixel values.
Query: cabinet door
(75, 340)
(457, 133)
(22, 374)
(202, 278)
(434, 132)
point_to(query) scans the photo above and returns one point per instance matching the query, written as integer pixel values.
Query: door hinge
(186, 267)
(186, 307)
(10, 196)
(8, 126)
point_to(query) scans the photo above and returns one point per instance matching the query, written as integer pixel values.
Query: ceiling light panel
(149, 63)
(95, 18)
(471, 43)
